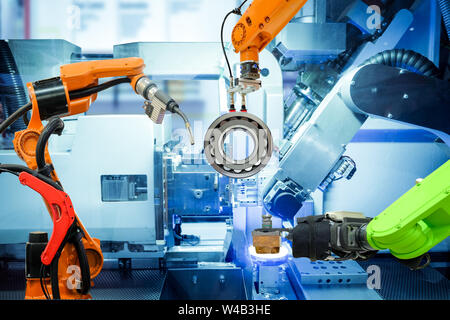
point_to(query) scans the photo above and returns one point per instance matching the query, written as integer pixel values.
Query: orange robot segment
(260, 23)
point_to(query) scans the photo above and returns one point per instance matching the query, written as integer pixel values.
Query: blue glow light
(269, 259)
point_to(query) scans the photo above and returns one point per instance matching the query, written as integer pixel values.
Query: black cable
(223, 46)
(15, 116)
(239, 8)
(9, 171)
(54, 280)
(238, 12)
(405, 59)
(76, 240)
(54, 277)
(54, 125)
(43, 284)
(17, 169)
(76, 94)
(69, 238)
(25, 118)
(81, 93)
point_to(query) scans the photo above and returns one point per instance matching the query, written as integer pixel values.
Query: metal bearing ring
(238, 121)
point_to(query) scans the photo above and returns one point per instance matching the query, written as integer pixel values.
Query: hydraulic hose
(12, 92)
(405, 59)
(55, 125)
(12, 119)
(445, 11)
(76, 94)
(17, 169)
(54, 281)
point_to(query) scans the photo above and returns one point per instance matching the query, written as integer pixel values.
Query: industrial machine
(316, 163)
(325, 135)
(70, 94)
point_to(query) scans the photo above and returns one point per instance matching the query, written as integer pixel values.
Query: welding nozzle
(158, 102)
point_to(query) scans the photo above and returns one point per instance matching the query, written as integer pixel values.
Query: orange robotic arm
(73, 92)
(260, 23)
(70, 94)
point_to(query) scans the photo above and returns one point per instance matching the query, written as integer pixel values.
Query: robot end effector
(158, 102)
(334, 236)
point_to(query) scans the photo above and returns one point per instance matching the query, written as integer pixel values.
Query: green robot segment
(417, 221)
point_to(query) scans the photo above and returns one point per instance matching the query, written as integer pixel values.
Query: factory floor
(397, 283)
(400, 283)
(109, 285)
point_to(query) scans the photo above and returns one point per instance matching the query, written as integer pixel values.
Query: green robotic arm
(409, 227)
(417, 221)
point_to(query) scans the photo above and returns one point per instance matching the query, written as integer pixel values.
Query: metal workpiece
(215, 149)
(267, 240)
